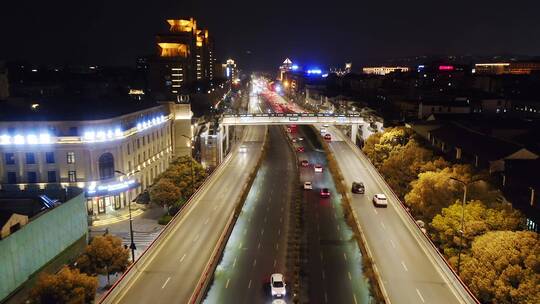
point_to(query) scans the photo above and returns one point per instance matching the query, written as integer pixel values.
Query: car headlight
(273, 292)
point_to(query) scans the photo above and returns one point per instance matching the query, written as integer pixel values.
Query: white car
(277, 285)
(318, 168)
(242, 149)
(323, 130)
(380, 200)
(308, 186)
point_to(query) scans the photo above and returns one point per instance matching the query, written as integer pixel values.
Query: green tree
(403, 166)
(66, 286)
(104, 255)
(478, 219)
(164, 193)
(504, 267)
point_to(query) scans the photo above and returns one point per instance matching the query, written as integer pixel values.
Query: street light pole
(461, 232)
(132, 245)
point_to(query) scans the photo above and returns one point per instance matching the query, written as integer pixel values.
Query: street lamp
(465, 185)
(132, 245)
(191, 161)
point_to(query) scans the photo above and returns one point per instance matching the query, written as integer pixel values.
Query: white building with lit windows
(114, 152)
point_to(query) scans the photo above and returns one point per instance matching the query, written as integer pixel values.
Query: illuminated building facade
(500, 68)
(383, 70)
(113, 157)
(231, 72)
(184, 55)
(285, 67)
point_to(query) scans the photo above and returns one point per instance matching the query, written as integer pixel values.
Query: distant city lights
(295, 67)
(314, 71)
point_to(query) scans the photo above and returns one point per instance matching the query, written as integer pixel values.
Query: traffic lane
(334, 257)
(243, 274)
(406, 270)
(171, 265)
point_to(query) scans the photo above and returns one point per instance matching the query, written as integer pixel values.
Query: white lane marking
(254, 262)
(280, 219)
(279, 232)
(392, 242)
(277, 246)
(325, 297)
(350, 277)
(420, 295)
(383, 226)
(227, 284)
(182, 258)
(281, 209)
(323, 275)
(259, 246)
(234, 263)
(354, 297)
(249, 285)
(206, 221)
(345, 256)
(321, 256)
(275, 263)
(338, 227)
(240, 245)
(265, 219)
(404, 266)
(262, 231)
(196, 238)
(167, 281)
(375, 211)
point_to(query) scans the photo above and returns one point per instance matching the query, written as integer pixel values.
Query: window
(30, 158)
(51, 176)
(72, 176)
(71, 157)
(73, 131)
(129, 166)
(144, 155)
(49, 157)
(12, 177)
(106, 166)
(32, 177)
(144, 140)
(138, 143)
(10, 158)
(128, 150)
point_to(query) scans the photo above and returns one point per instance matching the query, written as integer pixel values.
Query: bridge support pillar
(227, 138)
(354, 132)
(220, 143)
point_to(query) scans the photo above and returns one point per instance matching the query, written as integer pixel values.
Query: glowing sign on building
(446, 68)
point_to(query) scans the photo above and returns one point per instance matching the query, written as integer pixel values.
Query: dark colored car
(358, 187)
(325, 192)
(327, 136)
(304, 163)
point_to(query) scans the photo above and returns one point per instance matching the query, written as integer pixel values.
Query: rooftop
(70, 109)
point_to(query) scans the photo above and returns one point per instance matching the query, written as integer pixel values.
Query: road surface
(258, 244)
(334, 262)
(171, 271)
(408, 274)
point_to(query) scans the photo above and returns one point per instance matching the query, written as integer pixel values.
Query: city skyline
(117, 33)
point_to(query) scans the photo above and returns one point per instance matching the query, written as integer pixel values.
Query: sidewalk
(116, 216)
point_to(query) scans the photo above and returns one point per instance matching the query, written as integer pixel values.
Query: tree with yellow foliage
(104, 255)
(478, 219)
(66, 286)
(503, 267)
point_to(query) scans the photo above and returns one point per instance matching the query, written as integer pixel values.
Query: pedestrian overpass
(226, 120)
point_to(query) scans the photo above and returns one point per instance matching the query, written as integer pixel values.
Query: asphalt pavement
(408, 274)
(258, 244)
(170, 271)
(334, 262)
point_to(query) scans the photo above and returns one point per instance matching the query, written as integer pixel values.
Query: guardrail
(162, 235)
(431, 250)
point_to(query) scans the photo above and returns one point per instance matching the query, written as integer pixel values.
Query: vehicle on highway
(277, 285)
(318, 168)
(327, 136)
(300, 149)
(294, 140)
(379, 200)
(242, 149)
(304, 163)
(323, 130)
(325, 192)
(300, 138)
(308, 186)
(358, 187)
(326, 125)
(279, 301)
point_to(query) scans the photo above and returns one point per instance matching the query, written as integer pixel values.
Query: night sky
(260, 34)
